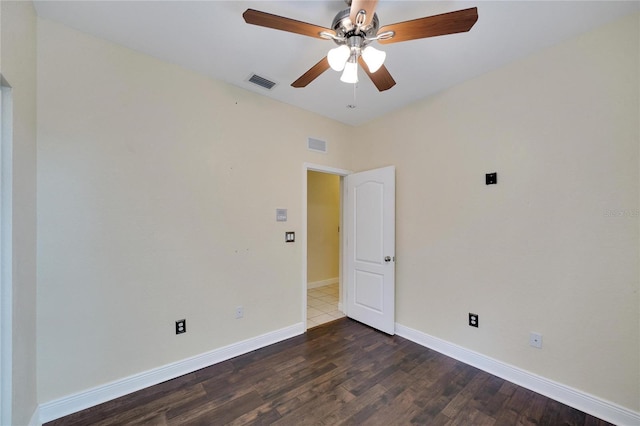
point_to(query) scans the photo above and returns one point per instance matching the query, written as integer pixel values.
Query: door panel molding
(369, 227)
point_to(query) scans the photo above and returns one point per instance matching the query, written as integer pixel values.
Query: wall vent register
(317, 145)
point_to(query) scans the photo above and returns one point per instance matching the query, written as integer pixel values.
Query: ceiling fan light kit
(373, 57)
(350, 73)
(351, 46)
(353, 30)
(338, 57)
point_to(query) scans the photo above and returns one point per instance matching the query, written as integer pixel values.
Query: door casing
(307, 167)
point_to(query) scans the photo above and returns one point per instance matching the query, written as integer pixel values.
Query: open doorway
(322, 272)
(323, 248)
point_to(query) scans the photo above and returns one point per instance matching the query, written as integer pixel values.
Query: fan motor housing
(345, 29)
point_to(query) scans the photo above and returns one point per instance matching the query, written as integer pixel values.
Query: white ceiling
(211, 37)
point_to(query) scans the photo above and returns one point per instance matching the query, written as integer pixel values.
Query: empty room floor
(322, 305)
(340, 373)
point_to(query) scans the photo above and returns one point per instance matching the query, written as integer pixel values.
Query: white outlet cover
(535, 340)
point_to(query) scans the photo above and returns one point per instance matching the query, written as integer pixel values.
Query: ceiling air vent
(261, 81)
(317, 145)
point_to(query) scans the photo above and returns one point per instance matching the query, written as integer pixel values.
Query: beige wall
(158, 189)
(323, 220)
(553, 247)
(157, 196)
(18, 58)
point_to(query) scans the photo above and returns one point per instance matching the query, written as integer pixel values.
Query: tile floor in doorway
(322, 305)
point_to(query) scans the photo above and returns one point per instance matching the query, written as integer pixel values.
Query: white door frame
(307, 167)
(6, 250)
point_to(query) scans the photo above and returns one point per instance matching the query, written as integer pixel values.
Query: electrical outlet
(474, 320)
(239, 312)
(181, 326)
(535, 340)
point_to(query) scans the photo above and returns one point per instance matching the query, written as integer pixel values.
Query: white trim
(582, 401)
(6, 252)
(306, 167)
(344, 231)
(35, 418)
(73, 403)
(325, 169)
(322, 283)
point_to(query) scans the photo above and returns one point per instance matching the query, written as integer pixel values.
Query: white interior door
(370, 271)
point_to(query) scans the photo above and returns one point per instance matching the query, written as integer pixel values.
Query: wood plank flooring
(340, 373)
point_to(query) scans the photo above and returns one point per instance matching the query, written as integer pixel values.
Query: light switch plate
(289, 237)
(281, 215)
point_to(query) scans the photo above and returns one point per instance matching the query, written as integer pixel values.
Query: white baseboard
(316, 284)
(73, 403)
(582, 401)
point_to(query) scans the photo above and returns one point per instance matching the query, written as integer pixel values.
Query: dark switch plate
(289, 237)
(491, 178)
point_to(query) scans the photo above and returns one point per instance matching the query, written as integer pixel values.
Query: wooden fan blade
(369, 6)
(268, 20)
(313, 73)
(381, 78)
(431, 26)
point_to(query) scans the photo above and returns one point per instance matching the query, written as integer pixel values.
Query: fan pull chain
(355, 86)
(353, 105)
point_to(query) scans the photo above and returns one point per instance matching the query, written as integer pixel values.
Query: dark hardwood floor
(338, 373)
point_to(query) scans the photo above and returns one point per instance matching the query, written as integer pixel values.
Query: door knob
(387, 259)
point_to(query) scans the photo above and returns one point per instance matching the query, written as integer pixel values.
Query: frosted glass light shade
(373, 57)
(338, 57)
(350, 74)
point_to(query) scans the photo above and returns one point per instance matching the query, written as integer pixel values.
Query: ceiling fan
(354, 29)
